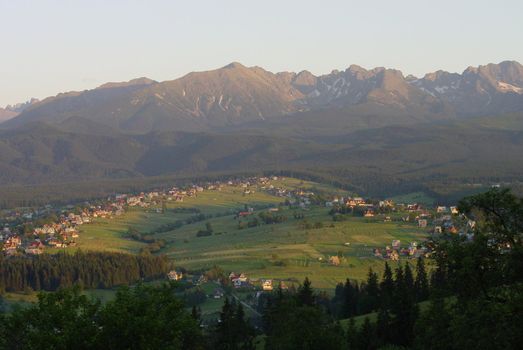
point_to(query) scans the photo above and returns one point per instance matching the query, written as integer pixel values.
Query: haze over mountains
(12, 111)
(355, 122)
(235, 94)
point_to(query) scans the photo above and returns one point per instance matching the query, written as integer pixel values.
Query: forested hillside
(443, 158)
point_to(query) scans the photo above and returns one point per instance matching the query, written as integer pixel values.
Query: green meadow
(287, 251)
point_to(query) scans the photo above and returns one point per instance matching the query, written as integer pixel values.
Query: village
(20, 232)
(32, 231)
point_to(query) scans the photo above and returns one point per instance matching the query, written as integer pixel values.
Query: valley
(257, 251)
(220, 226)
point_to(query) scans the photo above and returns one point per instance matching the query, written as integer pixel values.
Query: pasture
(288, 251)
(291, 250)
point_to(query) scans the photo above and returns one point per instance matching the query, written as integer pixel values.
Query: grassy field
(415, 197)
(286, 251)
(109, 234)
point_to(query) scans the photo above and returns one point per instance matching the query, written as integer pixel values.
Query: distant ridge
(134, 82)
(236, 94)
(12, 111)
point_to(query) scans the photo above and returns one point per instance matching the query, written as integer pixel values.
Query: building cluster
(296, 197)
(440, 220)
(395, 251)
(60, 232)
(239, 280)
(369, 209)
(20, 231)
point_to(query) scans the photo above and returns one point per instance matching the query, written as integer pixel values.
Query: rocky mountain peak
(305, 81)
(143, 81)
(234, 65)
(237, 94)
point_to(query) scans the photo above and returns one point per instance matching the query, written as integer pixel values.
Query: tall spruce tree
(350, 300)
(245, 330)
(226, 335)
(438, 279)
(305, 293)
(408, 279)
(404, 308)
(387, 287)
(383, 327)
(421, 285)
(372, 291)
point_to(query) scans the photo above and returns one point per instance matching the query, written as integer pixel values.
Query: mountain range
(373, 128)
(236, 94)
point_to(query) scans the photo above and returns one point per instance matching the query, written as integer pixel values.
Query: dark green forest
(50, 272)
(447, 160)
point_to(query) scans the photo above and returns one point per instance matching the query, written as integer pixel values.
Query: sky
(52, 46)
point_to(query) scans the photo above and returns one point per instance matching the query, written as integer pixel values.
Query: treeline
(337, 211)
(87, 269)
(63, 193)
(207, 232)
(267, 218)
(154, 245)
(475, 295)
(141, 317)
(370, 183)
(395, 297)
(401, 286)
(147, 237)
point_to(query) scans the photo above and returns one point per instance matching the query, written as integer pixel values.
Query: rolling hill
(390, 159)
(39, 152)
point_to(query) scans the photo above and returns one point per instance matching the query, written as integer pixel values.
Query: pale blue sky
(53, 46)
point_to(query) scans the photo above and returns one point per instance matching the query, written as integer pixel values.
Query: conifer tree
(371, 293)
(226, 335)
(367, 336)
(404, 308)
(408, 280)
(305, 293)
(350, 300)
(383, 327)
(386, 287)
(244, 329)
(421, 285)
(352, 334)
(372, 284)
